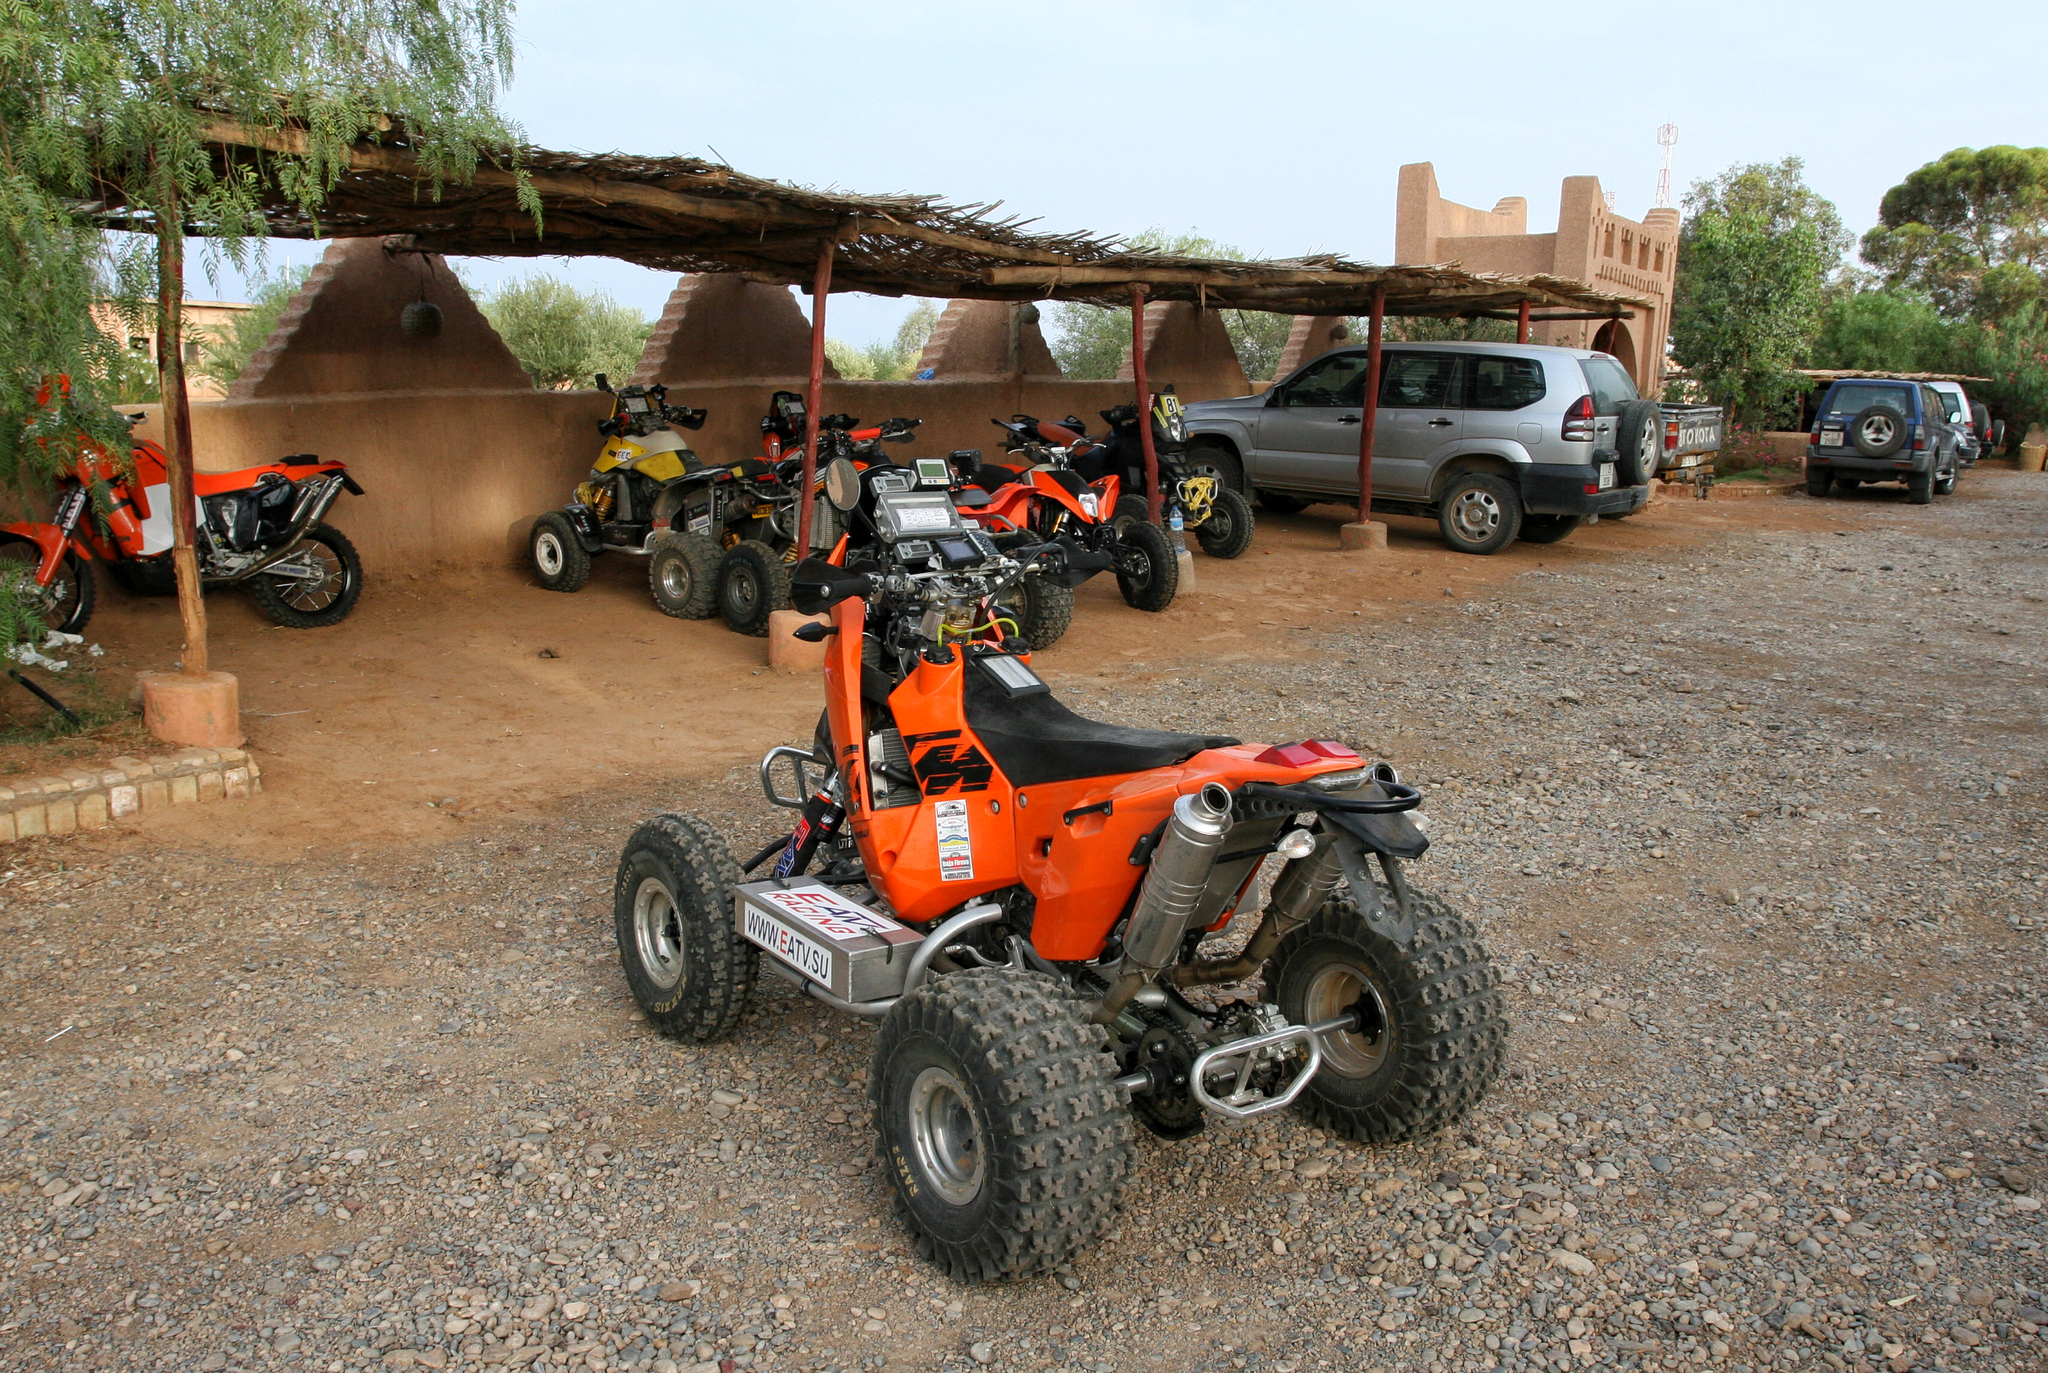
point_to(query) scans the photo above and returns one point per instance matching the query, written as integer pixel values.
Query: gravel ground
(1753, 828)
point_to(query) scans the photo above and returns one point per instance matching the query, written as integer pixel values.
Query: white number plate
(1831, 438)
(1606, 476)
(808, 957)
(828, 913)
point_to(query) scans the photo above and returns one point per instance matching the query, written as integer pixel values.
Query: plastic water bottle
(1174, 520)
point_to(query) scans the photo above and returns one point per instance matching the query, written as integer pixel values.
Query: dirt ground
(436, 688)
(1745, 797)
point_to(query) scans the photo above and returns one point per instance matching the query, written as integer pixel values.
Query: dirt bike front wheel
(318, 584)
(67, 602)
(1432, 1023)
(995, 1116)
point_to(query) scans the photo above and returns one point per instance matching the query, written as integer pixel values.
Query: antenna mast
(1667, 136)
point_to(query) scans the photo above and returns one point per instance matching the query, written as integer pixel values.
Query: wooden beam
(939, 238)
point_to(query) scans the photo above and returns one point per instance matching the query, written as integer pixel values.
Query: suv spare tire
(1638, 442)
(1878, 431)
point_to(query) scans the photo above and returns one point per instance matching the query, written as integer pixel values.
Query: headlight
(1090, 505)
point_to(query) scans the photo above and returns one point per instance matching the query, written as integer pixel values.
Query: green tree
(1090, 341)
(1754, 257)
(1884, 331)
(562, 336)
(142, 111)
(224, 356)
(895, 360)
(1969, 231)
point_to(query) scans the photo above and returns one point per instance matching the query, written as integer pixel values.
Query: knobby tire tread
(1060, 1141)
(1445, 998)
(712, 997)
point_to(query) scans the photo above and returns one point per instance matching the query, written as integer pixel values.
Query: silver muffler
(1173, 890)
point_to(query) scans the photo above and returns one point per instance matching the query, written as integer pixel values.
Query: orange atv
(1022, 896)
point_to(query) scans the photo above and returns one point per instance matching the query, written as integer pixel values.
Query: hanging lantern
(421, 319)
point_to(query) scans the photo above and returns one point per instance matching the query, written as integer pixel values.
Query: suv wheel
(1638, 442)
(1878, 431)
(1479, 513)
(1920, 488)
(1214, 460)
(1818, 480)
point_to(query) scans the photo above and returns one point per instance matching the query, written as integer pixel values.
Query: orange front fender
(50, 544)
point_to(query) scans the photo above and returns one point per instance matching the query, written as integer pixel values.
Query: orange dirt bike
(258, 528)
(1021, 897)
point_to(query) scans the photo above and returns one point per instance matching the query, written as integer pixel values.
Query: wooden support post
(1370, 418)
(1153, 506)
(170, 363)
(821, 286)
(1522, 323)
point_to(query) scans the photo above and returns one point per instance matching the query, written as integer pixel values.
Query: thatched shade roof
(682, 214)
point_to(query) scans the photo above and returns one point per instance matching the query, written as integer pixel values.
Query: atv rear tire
(299, 604)
(1227, 533)
(683, 576)
(1146, 570)
(684, 960)
(1443, 1023)
(1007, 1144)
(556, 550)
(753, 583)
(1045, 610)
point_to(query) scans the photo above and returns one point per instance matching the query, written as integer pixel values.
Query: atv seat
(1034, 739)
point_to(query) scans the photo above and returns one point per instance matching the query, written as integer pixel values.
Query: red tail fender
(49, 541)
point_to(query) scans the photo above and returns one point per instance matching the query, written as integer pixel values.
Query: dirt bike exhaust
(1172, 891)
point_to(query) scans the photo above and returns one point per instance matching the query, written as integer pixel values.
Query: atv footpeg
(1244, 1101)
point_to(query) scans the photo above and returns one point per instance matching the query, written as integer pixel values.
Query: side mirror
(815, 586)
(604, 383)
(842, 483)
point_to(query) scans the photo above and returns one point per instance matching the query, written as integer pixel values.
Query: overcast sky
(1276, 127)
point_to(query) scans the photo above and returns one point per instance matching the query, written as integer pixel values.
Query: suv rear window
(1611, 385)
(1848, 397)
(1497, 383)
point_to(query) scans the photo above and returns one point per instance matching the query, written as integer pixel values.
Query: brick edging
(78, 799)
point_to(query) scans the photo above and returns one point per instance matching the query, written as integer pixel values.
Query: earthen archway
(1614, 338)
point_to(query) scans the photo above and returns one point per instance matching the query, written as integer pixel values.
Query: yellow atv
(642, 480)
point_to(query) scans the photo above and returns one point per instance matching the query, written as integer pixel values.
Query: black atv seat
(1035, 739)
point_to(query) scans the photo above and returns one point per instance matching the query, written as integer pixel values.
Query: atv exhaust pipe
(1298, 893)
(1172, 892)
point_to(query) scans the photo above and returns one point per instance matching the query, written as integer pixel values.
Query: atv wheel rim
(741, 594)
(1877, 431)
(1475, 515)
(946, 1137)
(547, 555)
(1338, 988)
(658, 934)
(676, 579)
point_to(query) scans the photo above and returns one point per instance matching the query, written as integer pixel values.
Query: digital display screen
(636, 404)
(933, 472)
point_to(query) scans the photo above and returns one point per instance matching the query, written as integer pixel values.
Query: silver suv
(1494, 441)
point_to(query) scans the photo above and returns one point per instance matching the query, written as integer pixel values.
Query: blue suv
(1882, 430)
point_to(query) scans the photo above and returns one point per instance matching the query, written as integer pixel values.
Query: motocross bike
(1021, 897)
(753, 577)
(1218, 517)
(642, 476)
(1054, 496)
(258, 528)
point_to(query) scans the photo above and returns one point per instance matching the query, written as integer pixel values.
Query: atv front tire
(683, 576)
(1438, 1024)
(1146, 570)
(1227, 532)
(753, 583)
(684, 960)
(559, 560)
(1044, 609)
(1007, 1144)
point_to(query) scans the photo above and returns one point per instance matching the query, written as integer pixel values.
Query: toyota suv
(1494, 441)
(1882, 429)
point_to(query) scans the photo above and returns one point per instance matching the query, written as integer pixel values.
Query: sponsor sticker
(812, 960)
(827, 912)
(700, 524)
(956, 844)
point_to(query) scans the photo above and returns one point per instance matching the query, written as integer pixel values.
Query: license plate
(1830, 440)
(1606, 476)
